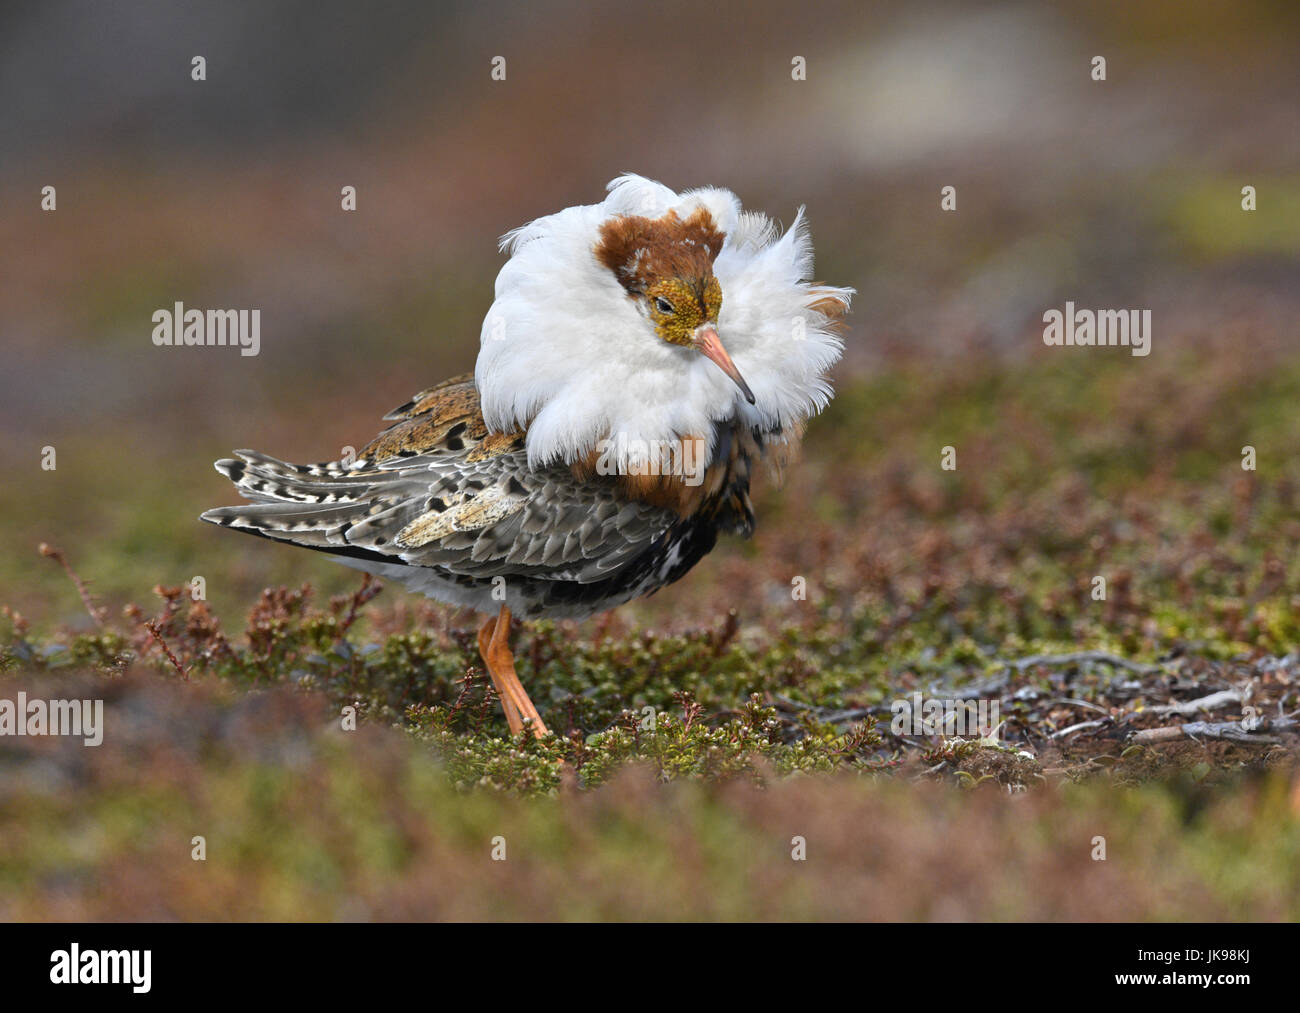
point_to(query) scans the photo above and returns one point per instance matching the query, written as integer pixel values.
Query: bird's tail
(312, 505)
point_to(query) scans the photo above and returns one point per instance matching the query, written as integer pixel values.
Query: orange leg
(507, 703)
(494, 646)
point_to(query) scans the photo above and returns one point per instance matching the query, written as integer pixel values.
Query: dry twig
(1205, 703)
(1080, 657)
(1230, 731)
(97, 612)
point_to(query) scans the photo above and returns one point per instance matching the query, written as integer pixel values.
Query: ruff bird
(641, 356)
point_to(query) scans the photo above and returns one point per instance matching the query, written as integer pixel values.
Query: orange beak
(709, 344)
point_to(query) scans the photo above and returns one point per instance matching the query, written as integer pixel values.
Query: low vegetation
(344, 754)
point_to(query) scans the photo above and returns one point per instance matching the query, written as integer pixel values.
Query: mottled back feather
(437, 489)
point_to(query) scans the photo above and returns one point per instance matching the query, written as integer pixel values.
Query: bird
(642, 355)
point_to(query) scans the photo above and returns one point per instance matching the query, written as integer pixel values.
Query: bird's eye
(663, 305)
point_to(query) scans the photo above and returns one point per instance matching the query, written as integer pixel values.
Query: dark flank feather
(439, 502)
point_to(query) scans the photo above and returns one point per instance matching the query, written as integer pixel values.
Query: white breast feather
(566, 353)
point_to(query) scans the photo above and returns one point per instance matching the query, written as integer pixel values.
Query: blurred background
(1072, 463)
(226, 193)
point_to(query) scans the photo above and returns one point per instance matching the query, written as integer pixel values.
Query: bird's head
(655, 315)
(665, 265)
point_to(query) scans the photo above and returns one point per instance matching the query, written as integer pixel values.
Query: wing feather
(436, 489)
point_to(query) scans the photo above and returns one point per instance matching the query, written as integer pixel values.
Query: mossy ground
(686, 761)
(301, 820)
